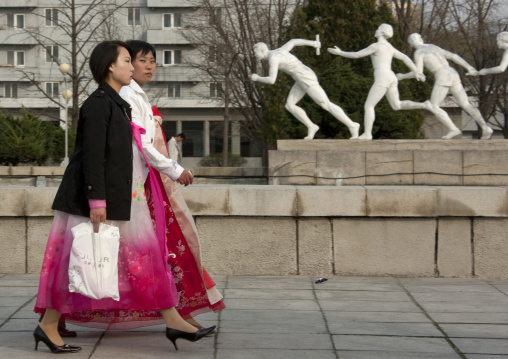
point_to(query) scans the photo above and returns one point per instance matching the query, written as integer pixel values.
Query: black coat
(101, 165)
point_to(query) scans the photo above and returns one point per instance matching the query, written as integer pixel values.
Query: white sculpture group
(432, 57)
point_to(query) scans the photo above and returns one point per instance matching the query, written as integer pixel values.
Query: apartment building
(33, 42)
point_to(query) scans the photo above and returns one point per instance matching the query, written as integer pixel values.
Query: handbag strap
(158, 204)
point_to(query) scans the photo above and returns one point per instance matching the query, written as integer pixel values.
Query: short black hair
(103, 55)
(141, 46)
(181, 134)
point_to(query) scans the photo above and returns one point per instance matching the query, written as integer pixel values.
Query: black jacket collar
(114, 95)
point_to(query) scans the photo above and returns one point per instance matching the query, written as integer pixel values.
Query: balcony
(169, 102)
(19, 3)
(182, 73)
(168, 37)
(27, 103)
(10, 36)
(170, 3)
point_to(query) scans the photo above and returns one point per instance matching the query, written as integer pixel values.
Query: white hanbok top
(142, 116)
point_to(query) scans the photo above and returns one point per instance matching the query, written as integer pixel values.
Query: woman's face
(121, 70)
(144, 68)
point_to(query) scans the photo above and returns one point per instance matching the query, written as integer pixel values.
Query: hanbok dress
(145, 281)
(197, 292)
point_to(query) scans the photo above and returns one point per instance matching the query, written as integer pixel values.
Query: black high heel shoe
(39, 335)
(174, 334)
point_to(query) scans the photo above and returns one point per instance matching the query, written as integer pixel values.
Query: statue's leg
(460, 96)
(376, 93)
(438, 95)
(321, 98)
(295, 95)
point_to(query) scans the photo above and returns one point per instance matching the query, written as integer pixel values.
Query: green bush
(29, 140)
(215, 160)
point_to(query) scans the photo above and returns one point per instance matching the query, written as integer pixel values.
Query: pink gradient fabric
(146, 284)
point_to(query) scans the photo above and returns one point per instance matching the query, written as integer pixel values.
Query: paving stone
(481, 346)
(281, 283)
(283, 316)
(6, 312)
(392, 344)
(376, 317)
(467, 317)
(489, 331)
(274, 341)
(14, 301)
(360, 283)
(268, 294)
(17, 291)
(369, 306)
(393, 329)
(151, 345)
(362, 295)
(272, 304)
(274, 354)
(343, 354)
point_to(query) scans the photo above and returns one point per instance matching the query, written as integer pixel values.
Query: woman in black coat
(105, 181)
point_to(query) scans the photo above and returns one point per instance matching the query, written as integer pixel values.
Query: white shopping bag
(93, 264)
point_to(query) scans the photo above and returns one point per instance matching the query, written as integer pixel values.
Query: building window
(171, 20)
(52, 89)
(174, 89)
(216, 18)
(16, 58)
(215, 90)
(212, 54)
(172, 57)
(16, 21)
(51, 53)
(193, 144)
(51, 17)
(134, 17)
(11, 90)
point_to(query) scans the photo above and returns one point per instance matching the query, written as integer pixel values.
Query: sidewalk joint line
(217, 330)
(436, 324)
(13, 314)
(97, 343)
(496, 288)
(324, 318)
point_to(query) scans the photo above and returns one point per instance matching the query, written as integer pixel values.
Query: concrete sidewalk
(291, 317)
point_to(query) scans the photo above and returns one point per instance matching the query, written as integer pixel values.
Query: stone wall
(389, 162)
(311, 230)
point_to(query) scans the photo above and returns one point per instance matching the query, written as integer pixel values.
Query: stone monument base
(389, 162)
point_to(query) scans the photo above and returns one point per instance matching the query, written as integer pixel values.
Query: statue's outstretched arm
(288, 46)
(471, 71)
(497, 69)
(272, 73)
(354, 55)
(418, 72)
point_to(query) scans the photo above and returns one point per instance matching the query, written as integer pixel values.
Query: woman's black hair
(144, 47)
(103, 55)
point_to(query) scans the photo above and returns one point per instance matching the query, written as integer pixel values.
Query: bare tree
(224, 33)
(75, 28)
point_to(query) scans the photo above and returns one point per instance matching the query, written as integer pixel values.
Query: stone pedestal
(389, 162)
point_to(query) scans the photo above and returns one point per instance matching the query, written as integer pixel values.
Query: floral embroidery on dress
(138, 191)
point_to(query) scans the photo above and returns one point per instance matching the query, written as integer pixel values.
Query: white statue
(435, 59)
(385, 81)
(502, 43)
(306, 82)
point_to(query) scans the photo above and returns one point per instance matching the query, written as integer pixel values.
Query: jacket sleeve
(156, 159)
(95, 116)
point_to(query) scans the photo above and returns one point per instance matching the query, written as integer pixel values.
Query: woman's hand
(98, 215)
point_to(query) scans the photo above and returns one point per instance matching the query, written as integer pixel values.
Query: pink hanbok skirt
(145, 281)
